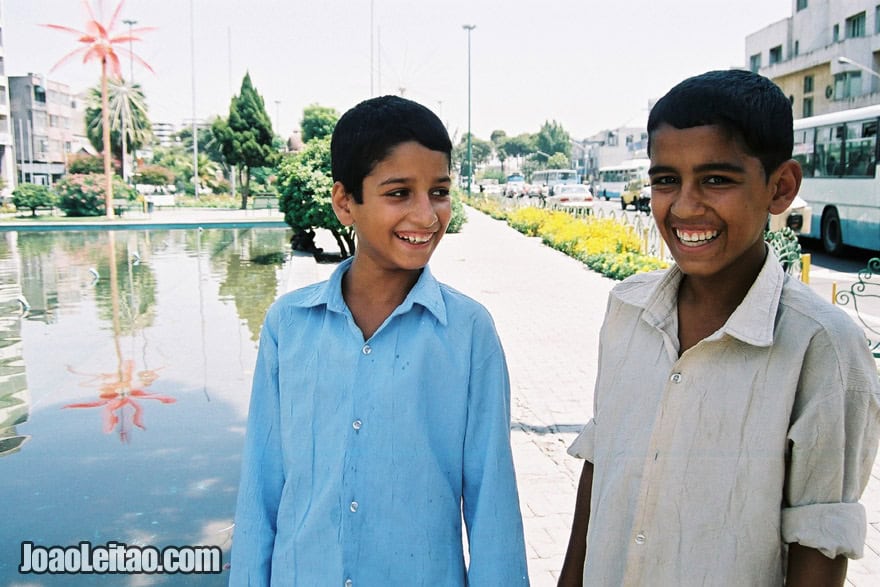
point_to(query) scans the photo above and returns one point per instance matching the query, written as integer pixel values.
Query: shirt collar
(753, 321)
(426, 292)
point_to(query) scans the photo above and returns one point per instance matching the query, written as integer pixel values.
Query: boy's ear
(787, 181)
(342, 201)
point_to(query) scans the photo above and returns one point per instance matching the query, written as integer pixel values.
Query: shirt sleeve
(262, 476)
(833, 441)
(490, 500)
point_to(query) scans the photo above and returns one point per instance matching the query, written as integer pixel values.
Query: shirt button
(367, 350)
(357, 424)
(676, 378)
(354, 506)
(348, 583)
(640, 538)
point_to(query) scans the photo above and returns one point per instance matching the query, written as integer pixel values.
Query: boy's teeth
(696, 237)
(416, 240)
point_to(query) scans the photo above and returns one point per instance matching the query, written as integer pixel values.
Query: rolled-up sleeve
(583, 446)
(262, 477)
(833, 442)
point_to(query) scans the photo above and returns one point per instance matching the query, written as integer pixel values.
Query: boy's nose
(689, 201)
(423, 211)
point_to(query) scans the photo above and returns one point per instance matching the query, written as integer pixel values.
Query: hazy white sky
(587, 64)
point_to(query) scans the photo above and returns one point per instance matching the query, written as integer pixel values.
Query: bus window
(861, 143)
(803, 150)
(828, 148)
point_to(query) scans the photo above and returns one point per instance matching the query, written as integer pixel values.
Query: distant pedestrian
(380, 411)
(735, 417)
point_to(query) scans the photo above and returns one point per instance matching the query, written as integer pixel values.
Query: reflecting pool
(125, 367)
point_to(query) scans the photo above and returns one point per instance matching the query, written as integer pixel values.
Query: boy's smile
(710, 200)
(404, 211)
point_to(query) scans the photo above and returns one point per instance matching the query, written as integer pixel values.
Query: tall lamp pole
(195, 130)
(469, 28)
(125, 170)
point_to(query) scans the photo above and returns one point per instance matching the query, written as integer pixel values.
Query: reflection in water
(119, 391)
(171, 320)
(14, 396)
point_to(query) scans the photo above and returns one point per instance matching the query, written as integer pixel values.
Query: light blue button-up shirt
(362, 457)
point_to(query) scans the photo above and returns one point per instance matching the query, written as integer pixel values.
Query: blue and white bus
(614, 178)
(838, 153)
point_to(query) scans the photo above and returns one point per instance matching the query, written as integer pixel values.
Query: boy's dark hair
(367, 133)
(749, 106)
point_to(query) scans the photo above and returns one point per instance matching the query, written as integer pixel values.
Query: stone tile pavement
(548, 309)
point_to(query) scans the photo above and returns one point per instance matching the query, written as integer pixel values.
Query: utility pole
(469, 28)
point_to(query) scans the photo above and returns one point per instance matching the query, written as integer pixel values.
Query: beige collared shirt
(706, 465)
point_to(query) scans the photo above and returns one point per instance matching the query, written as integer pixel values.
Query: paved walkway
(548, 309)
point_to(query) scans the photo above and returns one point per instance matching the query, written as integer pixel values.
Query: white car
(797, 217)
(571, 195)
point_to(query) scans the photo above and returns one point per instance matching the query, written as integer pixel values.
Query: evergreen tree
(246, 136)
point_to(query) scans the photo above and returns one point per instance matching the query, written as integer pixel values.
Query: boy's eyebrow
(730, 167)
(390, 180)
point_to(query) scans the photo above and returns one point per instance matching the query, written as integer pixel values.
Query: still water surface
(125, 367)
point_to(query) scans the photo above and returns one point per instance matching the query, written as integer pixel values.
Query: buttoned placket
(668, 412)
(350, 485)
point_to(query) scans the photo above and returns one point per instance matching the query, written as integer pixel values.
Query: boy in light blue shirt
(380, 410)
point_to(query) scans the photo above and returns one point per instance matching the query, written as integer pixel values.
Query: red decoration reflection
(120, 396)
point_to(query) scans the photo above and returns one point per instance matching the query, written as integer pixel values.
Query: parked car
(571, 195)
(797, 217)
(515, 188)
(637, 195)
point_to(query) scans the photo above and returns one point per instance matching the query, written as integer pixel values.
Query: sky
(589, 65)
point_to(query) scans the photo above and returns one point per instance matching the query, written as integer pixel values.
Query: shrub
(83, 195)
(154, 175)
(32, 196)
(459, 216)
(84, 164)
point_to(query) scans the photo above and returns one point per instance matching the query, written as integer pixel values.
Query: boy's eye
(440, 193)
(716, 180)
(399, 193)
(663, 180)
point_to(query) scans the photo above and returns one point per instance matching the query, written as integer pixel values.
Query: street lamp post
(469, 28)
(848, 61)
(195, 130)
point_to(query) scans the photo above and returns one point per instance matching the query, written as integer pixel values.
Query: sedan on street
(570, 195)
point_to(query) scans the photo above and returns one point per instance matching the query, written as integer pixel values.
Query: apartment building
(43, 112)
(825, 56)
(7, 150)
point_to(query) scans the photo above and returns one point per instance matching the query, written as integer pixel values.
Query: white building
(825, 56)
(7, 151)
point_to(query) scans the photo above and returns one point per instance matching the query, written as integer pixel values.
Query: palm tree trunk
(108, 161)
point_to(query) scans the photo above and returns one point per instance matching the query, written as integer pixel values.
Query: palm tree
(128, 116)
(99, 42)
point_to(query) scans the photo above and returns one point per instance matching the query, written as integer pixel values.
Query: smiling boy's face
(405, 209)
(710, 200)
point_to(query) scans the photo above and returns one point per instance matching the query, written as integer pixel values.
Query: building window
(755, 63)
(808, 84)
(855, 26)
(40, 94)
(776, 54)
(835, 35)
(801, 4)
(877, 19)
(847, 85)
(808, 107)
(797, 48)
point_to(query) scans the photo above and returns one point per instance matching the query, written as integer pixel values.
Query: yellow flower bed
(603, 244)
